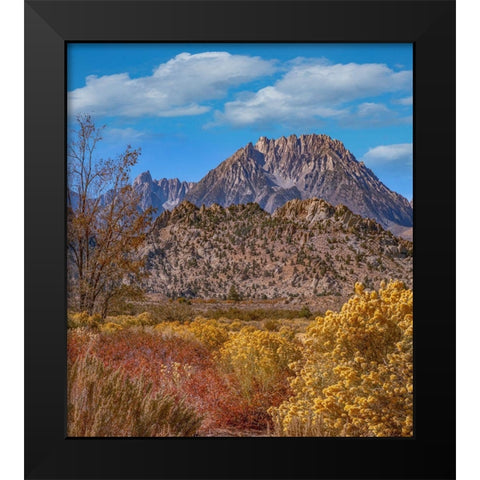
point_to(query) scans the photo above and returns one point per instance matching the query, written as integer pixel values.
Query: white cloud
(369, 109)
(370, 114)
(176, 88)
(312, 90)
(404, 101)
(272, 105)
(399, 154)
(127, 134)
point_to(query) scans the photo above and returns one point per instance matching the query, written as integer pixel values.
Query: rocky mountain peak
(301, 144)
(144, 177)
(163, 194)
(275, 171)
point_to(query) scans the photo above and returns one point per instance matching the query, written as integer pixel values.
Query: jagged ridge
(163, 194)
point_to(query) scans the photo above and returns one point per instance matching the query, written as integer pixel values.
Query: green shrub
(258, 314)
(173, 312)
(305, 312)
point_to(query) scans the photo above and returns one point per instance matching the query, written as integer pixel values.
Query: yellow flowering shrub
(82, 319)
(271, 324)
(259, 359)
(356, 377)
(210, 332)
(234, 326)
(175, 330)
(140, 320)
(110, 327)
(166, 326)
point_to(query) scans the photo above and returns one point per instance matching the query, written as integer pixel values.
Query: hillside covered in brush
(306, 248)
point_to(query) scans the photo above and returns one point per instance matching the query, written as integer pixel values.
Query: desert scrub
(173, 312)
(271, 325)
(258, 359)
(234, 326)
(110, 327)
(174, 360)
(257, 364)
(82, 319)
(356, 378)
(79, 340)
(105, 402)
(140, 320)
(209, 331)
(258, 314)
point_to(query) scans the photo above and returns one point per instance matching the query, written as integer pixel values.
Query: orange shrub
(177, 364)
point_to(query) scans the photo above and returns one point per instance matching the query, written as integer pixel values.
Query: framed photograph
(239, 218)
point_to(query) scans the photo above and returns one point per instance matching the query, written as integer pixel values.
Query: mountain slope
(163, 194)
(307, 248)
(272, 172)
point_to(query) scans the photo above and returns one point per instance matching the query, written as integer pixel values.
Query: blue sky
(190, 106)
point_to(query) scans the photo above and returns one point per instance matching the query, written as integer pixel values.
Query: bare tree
(105, 229)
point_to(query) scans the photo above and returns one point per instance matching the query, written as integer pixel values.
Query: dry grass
(180, 360)
(132, 375)
(308, 427)
(105, 402)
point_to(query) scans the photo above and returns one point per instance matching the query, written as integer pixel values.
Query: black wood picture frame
(430, 26)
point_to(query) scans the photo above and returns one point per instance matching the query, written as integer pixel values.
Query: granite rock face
(163, 194)
(275, 171)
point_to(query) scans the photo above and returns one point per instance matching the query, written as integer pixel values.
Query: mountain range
(275, 171)
(163, 194)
